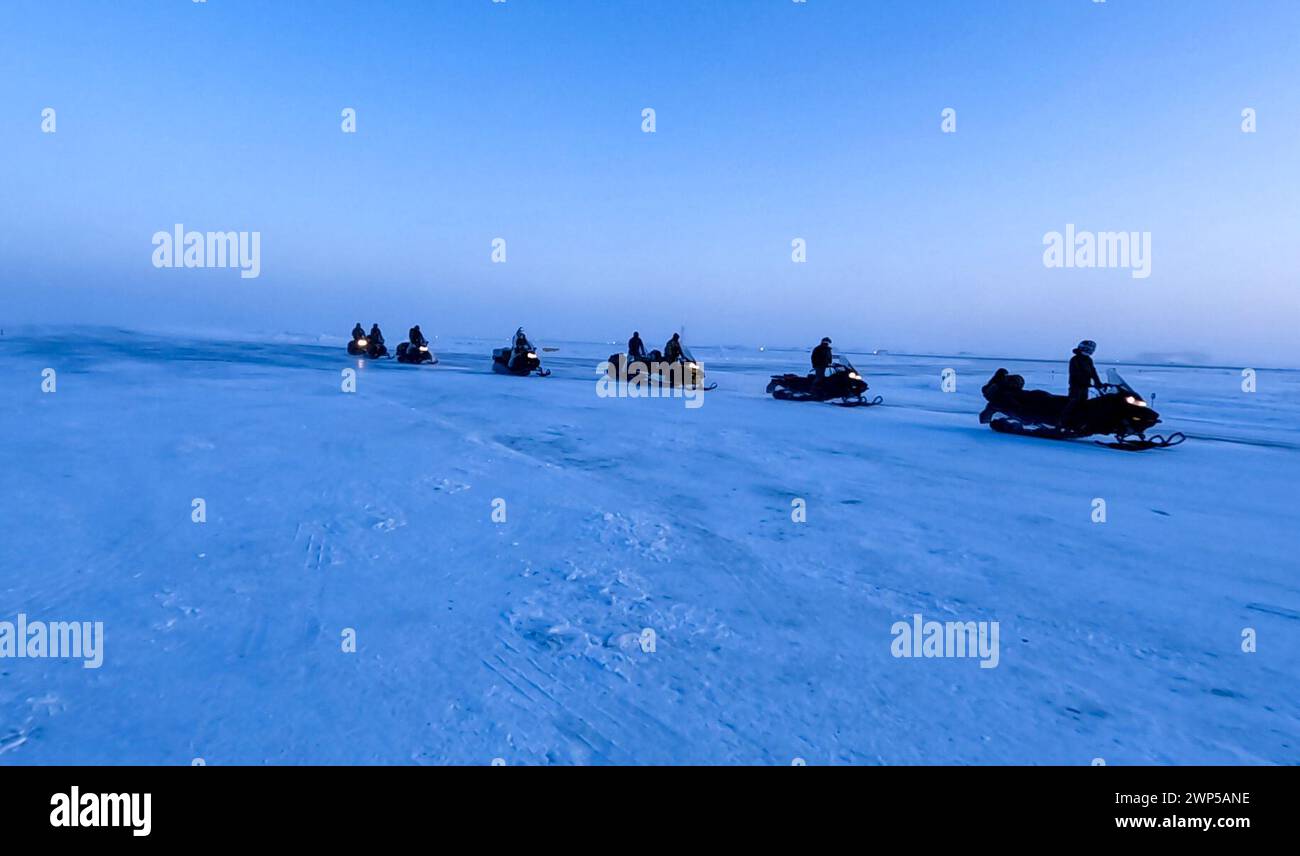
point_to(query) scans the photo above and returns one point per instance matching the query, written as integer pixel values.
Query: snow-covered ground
(521, 640)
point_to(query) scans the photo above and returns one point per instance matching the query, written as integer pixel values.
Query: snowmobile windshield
(844, 361)
(687, 355)
(1113, 378)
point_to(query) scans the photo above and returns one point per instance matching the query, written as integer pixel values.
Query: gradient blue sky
(775, 120)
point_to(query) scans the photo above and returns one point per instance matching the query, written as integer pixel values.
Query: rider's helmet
(1087, 346)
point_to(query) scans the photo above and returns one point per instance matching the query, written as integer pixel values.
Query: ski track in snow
(522, 640)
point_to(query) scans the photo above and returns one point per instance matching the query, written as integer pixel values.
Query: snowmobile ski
(1130, 443)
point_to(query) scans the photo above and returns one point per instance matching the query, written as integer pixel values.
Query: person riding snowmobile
(520, 349)
(673, 350)
(635, 347)
(376, 337)
(358, 332)
(416, 337)
(1083, 377)
(822, 358)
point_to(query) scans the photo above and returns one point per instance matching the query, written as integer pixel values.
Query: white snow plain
(521, 640)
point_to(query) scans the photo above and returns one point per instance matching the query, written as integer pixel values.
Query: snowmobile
(687, 370)
(524, 364)
(843, 386)
(363, 347)
(1118, 411)
(415, 354)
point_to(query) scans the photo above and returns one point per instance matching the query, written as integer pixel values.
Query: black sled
(415, 354)
(1118, 411)
(506, 361)
(843, 385)
(365, 348)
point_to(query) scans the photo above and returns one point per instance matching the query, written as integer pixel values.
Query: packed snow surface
(526, 640)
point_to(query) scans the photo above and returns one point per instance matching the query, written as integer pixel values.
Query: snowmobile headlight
(424, 347)
(854, 376)
(532, 355)
(362, 342)
(1134, 400)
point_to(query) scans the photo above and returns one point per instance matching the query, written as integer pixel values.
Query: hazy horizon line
(322, 338)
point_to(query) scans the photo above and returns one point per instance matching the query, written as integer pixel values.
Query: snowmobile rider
(376, 337)
(635, 347)
(673, 350)
(1083, 377)
(822, 358)
(519, 351)
(417, 337)
(358, 332)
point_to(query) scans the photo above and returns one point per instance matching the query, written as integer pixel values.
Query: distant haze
(774, 121)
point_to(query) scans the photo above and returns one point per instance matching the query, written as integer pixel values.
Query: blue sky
(775, 120)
